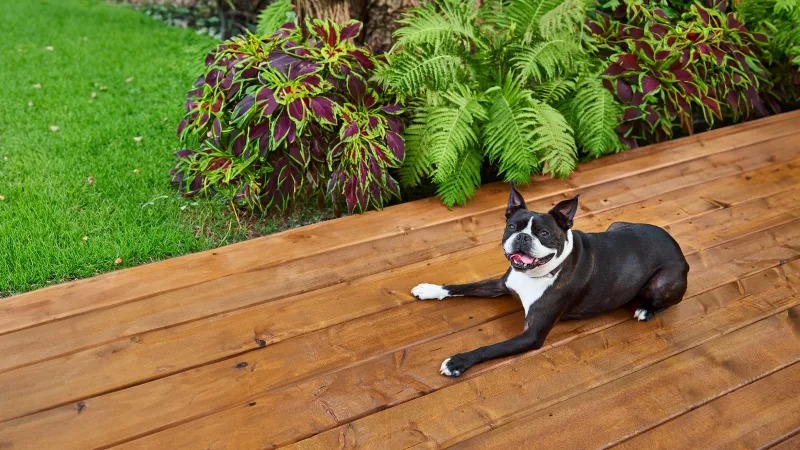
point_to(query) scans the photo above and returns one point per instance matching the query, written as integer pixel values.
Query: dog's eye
(512, 227)
(544, 233)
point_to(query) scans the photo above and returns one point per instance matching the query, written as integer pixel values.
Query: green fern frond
(509, 131)
(439, 22)
(451, 131)
(273, 16)
(554, 91)
(417, 164)
(549, 59)
(595, 119)
(754, 12)
(789, 7)
(526, 14)
(565, 19)
(411, 72)
(460, 187)
(553, 136)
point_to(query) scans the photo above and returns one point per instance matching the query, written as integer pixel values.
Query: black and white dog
(557, 272)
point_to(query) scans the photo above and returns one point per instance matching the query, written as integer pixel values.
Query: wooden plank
(750, 417)
(725, 224)
(531, 382)
(790, 443)
(149, 356)
(329, 400)
(121, 287)
(106, 326)
(215, 387)
(671, 387)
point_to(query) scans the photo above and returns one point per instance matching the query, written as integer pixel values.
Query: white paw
(444, 370)
(427, 291)
(640, 314)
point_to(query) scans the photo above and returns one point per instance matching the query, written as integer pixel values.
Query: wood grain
(665, 390)
(329, 400)
(125, 286)
(190, 393)
(791, 442)
(748, 418)
(534, 381)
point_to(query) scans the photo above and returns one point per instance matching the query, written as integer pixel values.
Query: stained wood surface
(311, 339)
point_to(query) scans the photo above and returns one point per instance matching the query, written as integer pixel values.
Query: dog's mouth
(521, 260)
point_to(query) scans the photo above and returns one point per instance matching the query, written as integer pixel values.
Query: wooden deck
(310, 338)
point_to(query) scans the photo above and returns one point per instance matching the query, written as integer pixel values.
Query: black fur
(628, 263)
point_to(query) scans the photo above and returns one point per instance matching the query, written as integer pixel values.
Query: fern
(553, 136)
(275, 15)
(417, 164)
(451, 131)
(460, 187)
(509, 131)
(414, 71)
(487, 84)
(439, 22)
(595, 116)
(564, 19)
(525, 16)
(554, 91)
(548, 59)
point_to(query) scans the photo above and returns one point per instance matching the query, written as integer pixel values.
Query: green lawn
(104, 75)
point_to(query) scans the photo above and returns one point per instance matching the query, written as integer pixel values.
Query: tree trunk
(380, 21)
(379, 17)
(337, 10)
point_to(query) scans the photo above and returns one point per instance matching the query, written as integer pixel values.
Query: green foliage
(679, 63)
(116, 75)
(595, 116)
(273, 16)
(293, 114)
(490, 85)
(548, 59)
(779, 20)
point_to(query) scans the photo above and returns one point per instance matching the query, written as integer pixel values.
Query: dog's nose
(524, 238)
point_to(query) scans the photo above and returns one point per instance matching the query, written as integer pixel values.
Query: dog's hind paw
(427, 291)
(643, 315)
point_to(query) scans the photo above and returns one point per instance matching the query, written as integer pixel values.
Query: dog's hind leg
(664, 289)
(486, 289)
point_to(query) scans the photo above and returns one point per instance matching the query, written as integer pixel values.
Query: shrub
(508, 84)
(666, 64)
(779, 20)
(291, 114)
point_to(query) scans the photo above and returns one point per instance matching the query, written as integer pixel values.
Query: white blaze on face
(538, 250)
(545, 269)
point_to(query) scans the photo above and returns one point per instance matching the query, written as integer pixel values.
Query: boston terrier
(561, 273)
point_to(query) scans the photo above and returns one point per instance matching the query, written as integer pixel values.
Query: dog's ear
(564, 211)
(515, 202)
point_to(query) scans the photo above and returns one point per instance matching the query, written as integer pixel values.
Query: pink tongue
(523, 258)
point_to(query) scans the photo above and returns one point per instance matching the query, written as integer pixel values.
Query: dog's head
(532, 239)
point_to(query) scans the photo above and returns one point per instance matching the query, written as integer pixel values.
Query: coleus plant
(294, 113)
(665, 66)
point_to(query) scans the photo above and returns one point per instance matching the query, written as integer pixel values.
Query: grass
(94, 195)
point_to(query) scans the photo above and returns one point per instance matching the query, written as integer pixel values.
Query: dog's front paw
(427, 291)
(454, 366)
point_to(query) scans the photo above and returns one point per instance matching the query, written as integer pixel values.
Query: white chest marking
(529, 289)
